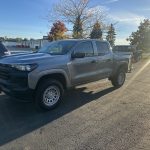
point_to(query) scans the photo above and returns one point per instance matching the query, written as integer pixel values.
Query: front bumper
(15, 84)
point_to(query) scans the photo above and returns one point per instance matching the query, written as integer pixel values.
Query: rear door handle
(108, 60)
(94, 61)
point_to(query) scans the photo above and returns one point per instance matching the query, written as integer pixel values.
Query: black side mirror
(78, 55)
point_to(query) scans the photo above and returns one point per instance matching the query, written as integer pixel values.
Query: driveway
(93, 116)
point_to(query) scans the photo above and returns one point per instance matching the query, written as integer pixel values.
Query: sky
(27, 18)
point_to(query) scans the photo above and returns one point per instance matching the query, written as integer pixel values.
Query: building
(33, 44)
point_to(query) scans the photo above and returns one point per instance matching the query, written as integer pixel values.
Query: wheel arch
(35, 78)
(55, 76)
(124, 66)
(119, 66)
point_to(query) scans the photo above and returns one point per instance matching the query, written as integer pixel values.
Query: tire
(119, 79)
(49, 94)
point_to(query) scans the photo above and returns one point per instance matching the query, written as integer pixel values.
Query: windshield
(58, 47)
(2, 48)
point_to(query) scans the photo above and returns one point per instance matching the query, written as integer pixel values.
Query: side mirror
(78, 55)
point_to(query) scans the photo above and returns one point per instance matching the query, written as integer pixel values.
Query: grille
(4, 71)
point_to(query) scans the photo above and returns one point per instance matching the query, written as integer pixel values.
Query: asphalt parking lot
(94, 116)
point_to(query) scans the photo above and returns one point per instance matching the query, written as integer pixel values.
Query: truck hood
(25, 58)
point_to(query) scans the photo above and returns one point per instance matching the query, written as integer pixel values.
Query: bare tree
(98, 14)
(72, 10)
(69, 10)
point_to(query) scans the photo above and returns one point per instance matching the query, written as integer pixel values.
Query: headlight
(7, 53)
(25, 67)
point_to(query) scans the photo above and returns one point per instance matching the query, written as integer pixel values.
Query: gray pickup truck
(58, 66)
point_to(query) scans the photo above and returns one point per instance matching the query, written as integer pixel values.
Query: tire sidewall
(114, 80)
(118, 74)
(40, 92)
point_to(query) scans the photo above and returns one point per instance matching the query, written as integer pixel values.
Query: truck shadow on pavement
(18, 119)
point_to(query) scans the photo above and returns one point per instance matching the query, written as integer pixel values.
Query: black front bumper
(15, 83)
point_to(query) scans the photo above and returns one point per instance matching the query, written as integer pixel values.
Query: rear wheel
(49, 94)
(119, 79)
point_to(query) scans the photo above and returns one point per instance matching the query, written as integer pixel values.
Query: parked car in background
(137, 55)
(125, 51)
(129, 50)
(58, 66)
(3, 50)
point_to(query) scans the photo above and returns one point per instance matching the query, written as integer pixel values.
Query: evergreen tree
(96, 31)
(141, 38)
(111, 35)
(77, 29)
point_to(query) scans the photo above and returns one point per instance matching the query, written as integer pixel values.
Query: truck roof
(77, 40)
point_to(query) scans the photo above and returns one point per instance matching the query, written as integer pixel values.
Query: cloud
(99, 12)
(110, 1)
(99, 8)
(127, 23)
(127, 18)
(121, 41)
(144, 9)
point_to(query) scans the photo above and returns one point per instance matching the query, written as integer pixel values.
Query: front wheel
(49, 94)
(119, 79)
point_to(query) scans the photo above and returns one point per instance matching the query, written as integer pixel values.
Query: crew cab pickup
(58, 66)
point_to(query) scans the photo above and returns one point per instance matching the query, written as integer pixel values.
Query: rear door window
(102, 48)
(85, 47)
